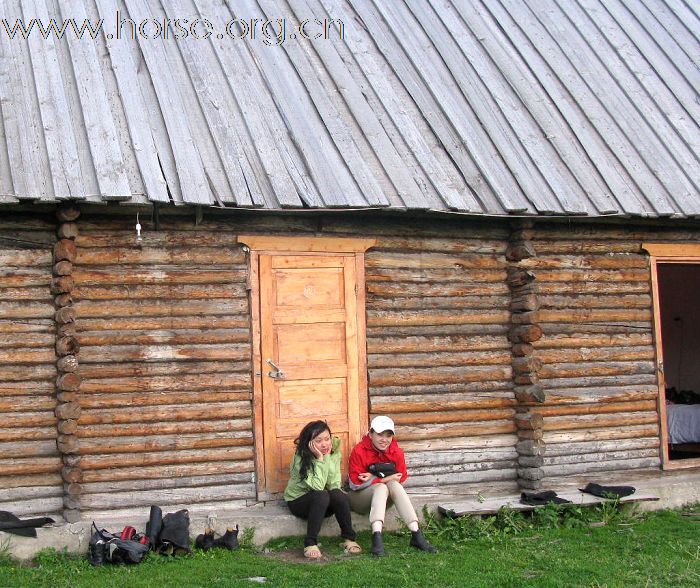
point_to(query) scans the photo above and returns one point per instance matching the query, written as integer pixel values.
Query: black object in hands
(382, 469)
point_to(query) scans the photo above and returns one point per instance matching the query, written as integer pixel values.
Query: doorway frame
(667, 253)
(264, 244)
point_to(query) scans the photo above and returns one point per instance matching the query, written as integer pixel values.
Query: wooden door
(309, 352)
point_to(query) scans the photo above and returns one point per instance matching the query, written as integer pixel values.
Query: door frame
(667, 253)
(265, 244)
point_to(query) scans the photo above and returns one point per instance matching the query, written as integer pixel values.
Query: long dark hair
(309, 432)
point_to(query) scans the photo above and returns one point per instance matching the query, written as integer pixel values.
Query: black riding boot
(420, 542)
(377, 544)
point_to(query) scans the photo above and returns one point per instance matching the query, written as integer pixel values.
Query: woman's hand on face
(315, 450)
(393, 478)
(364, 476)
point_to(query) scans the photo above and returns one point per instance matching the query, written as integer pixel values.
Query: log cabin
(479, 218)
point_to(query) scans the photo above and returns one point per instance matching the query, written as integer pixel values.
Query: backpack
(129, 547)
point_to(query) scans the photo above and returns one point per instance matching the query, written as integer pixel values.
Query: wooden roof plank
(436, 174)
(338, 124)
(501, 112)
(618, 106)
(190, 168)
(321, 159)
(539, 104)
(99, 122)
(281, 165)
(26, 151)
(61, 144)
(217, 110)
(366, 118)
(617, 144)
(660, 116)
(136, 112)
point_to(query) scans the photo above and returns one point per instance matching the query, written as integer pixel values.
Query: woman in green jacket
(313, 491)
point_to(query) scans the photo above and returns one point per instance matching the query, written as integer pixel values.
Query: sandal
(351, 547)
(312, 552)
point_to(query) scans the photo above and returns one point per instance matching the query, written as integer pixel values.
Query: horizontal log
(396, 289)
(587, 421)
(165, 470)
(29, 448)
(597, 434)
(100, 462)
(26, 403)
(462, 468)
(150, 337)
(162, 275)
(578, 315)
(99, 237)
(435, 275)
(436, 302)
(10, 340)
(149, 353)
(108, 400)
(462, 477)
(90, 325)
(445, 430)
(30, 465)
(587, 262)
(555, 384)
(209, 411)
(602, 394)
(572, 341)
(438, 359)
(25, 257)
(40, 293)
(616, 465)
(103, 446)
(595, 301)
(117, 308)
(191, 370)
(156, 255)
(470, 442)
(163, 483)
(87, 431)
(40, 389)
(452, 416)
(583, 354)
(437, 402)
(434, 317)
(592, 288)
(35, 325)
(591, 368)
(27, 481)
(27, 356)
(391, 345)
(417, 460)
(552, 462)
(26, 309)
(495, 246)
(431, 260)
(24, 277)
(39, 432)
(166, 497)
(501, 388)
(565, 246)
(440, 375)
(594, 275)
(553, 329)
(445, 330)
(595, 448)
(415, 228)
(148, 382)
(163, 291)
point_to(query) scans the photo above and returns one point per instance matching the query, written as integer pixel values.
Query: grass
(555, 548)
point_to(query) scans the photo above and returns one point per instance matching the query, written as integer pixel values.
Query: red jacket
(365, 453)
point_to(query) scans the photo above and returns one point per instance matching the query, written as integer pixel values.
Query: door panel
(308, 329)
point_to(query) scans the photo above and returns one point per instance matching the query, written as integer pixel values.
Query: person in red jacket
(377, 471)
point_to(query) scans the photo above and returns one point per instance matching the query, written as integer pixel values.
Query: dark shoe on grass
(377, 544)
(420, 542)
(228, 540)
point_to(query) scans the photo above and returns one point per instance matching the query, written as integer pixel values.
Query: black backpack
(127, 548)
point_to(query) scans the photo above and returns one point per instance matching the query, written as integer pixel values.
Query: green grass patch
(555, 547)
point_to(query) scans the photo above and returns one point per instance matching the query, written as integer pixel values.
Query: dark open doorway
(679, 308)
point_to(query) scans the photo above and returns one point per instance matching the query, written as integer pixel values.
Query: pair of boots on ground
(207, 540)
(418, 541)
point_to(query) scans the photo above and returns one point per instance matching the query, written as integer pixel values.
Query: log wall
(164, 331)
(597, 352)
(438, 352)
(30, 464)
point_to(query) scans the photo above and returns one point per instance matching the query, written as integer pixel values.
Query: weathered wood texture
(597, 351)
(164, 334)
(438, 353)
(30, 465)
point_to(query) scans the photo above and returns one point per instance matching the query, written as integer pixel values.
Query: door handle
(276, 372)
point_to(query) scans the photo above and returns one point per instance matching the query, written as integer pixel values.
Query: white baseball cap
(380, 424)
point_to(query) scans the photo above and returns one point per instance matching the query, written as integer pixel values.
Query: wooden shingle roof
(495, 107)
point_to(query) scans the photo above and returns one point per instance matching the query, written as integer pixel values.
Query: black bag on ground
(104, 547)
(542, 498)
(608, 491)
(154, 524)
(174, 538)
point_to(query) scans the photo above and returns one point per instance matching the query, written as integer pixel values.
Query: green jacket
(322, 475)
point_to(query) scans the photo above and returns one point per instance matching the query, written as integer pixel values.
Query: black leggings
(318, 504)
